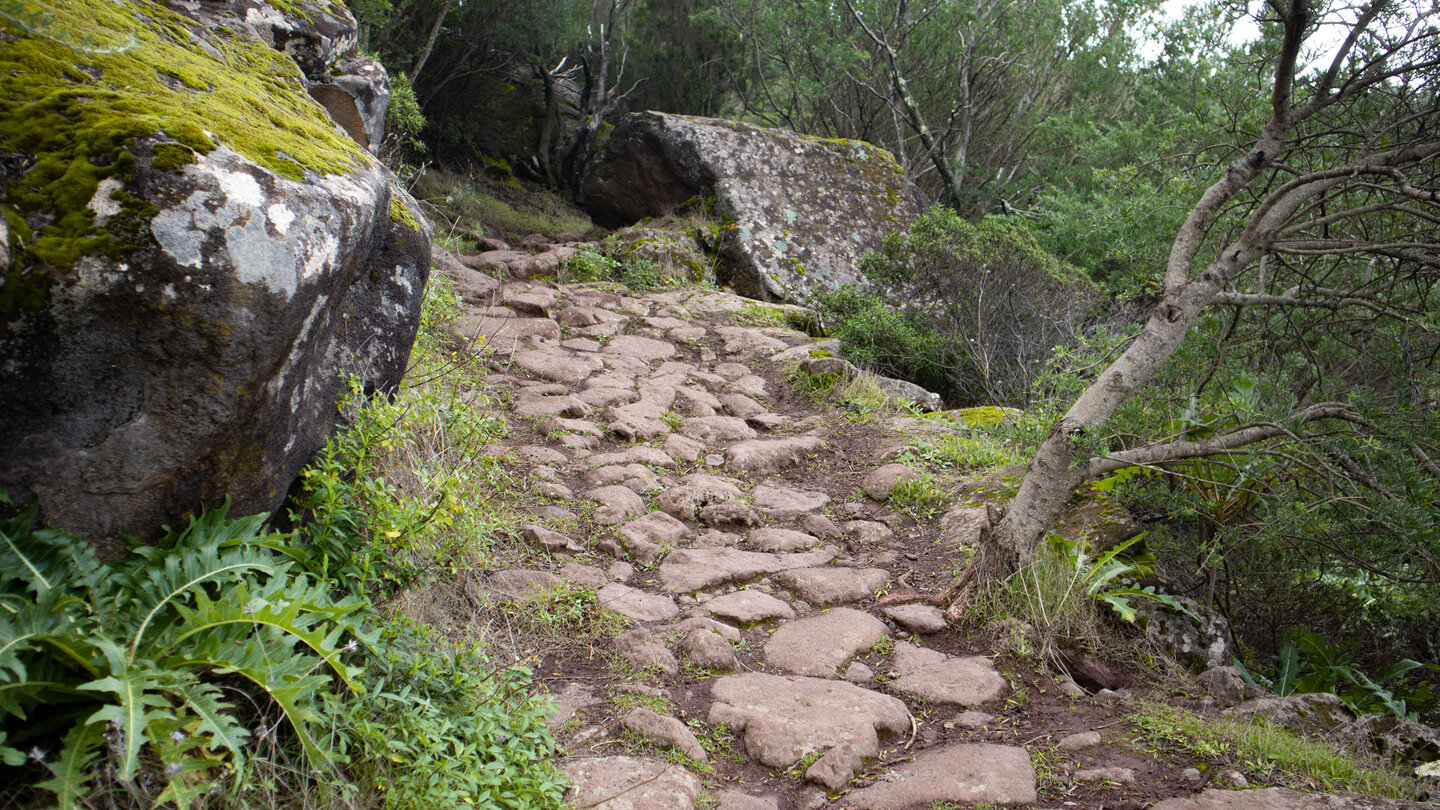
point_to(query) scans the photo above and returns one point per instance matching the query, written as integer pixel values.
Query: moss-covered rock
(800, 211)
(196, 259)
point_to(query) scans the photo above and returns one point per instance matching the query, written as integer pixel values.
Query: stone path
(778, 622)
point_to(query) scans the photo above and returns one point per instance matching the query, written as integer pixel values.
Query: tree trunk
(434, 34)
(1054, 472)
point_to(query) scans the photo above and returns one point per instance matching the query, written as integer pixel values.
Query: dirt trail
(782, 647)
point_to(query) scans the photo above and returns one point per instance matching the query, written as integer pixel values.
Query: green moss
(79, 114)
(171, 157)
(401, 215)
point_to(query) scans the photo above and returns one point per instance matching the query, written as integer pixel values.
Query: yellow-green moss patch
(400, 214)
(76, 112)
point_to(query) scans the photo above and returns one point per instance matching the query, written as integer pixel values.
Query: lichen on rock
(799, 211)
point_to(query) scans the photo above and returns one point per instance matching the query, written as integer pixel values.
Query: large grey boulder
(801, 210)
(182, 312)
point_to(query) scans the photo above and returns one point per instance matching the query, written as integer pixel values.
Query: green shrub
(403, 123)
(441, 727)
(589, 265)
(876, 335)
(640, 275)
(117, 668)
(980, 305)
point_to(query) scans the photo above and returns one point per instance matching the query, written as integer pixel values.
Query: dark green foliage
(403, 123)
(441, 727)
(969, 310)
(119, 667)
(879, 337)
(1308, 663)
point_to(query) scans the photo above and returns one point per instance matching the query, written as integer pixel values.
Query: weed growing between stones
(1265, 754)
(919, 497)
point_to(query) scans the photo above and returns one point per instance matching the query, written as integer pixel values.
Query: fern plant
(119, 666)
(1103, 577)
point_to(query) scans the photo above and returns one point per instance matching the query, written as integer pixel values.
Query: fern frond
(71, 768)
(217, 728)
(135, 706)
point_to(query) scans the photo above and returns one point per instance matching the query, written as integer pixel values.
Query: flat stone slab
(689, 570)
(712, 429)
(522, 583)
(767, 456)
(748, 607)
(938, 678)
(636, 604)
(783, 503)
(628, 783)
(640, 348)
(1000, 774)
(780, 540)
(817, 645)
(785, 718)
(653, 456)
(917, 618)
(833, 586)
(562, 368)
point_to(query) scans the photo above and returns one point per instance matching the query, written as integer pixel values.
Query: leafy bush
(403, 493)
(980, 304)
(440, 727)
(125, 668)
(1308, 663)
(589, 265)
(876, 335)
(403, 123)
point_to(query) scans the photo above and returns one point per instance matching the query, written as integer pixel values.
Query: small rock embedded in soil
(1122, 776)
(735, 800)
(708, 650)
(1079, 742)
(664, 730)
(881, 482)
(644, 651)
(917, 618)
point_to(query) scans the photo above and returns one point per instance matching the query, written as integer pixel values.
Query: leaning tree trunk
(1057, 468)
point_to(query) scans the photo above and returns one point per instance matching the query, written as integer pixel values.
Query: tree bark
(424, 56)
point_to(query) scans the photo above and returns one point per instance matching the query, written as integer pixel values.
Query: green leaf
(1289, 668)
(134, 710)
(69, 771)
(217, 726)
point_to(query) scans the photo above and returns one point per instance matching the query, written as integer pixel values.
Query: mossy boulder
(197, 261)
(799, 211)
